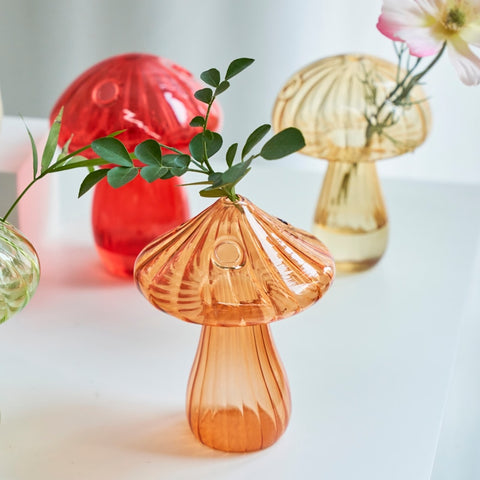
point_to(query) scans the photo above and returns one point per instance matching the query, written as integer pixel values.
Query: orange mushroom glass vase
(345, 108)
(234, 269)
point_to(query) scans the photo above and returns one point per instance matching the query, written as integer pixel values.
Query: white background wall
(45, 44)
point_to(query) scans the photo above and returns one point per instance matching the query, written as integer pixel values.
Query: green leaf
(112, 150)
(169, 160)
(149, 152)
(120, 176)
(254, 138)
(34, 150)
(212, 140)
(168, 175)
(237, 66)
(282, 144)
(215, 179)
(150, 173)
(80, 162)
(116, 133)
(91, 180)
(222, 183)
(65, 148)
(222, 87)
(211, 77)
(197, 121)
(231, 152)
(196, 147)
(212, 192)
(214, 143)
(181, 165)
(235, 173)
(176, 165)
(206, 182)
(52, 141)
(204, 95)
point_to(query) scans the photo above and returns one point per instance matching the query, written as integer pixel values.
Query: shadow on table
(77, 266)
(72, 440)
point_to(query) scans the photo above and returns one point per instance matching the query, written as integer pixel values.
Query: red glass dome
(148, 97)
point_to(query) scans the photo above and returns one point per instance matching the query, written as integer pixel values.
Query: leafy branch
(157, 165)
(119, 167)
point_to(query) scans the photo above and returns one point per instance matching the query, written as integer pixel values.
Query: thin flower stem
(416, 78)
(25, 190)
(400, 93)
(205, 153)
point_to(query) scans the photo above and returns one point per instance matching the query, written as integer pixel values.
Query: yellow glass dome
(331, 99)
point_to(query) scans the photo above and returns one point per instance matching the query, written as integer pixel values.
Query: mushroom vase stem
(238, 397)
(351, 215)
(234, 269)
(351, 115)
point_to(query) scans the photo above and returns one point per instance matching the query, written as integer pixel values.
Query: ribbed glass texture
(238, 398)
(234, 265)
(351, 217)
(329, 102)
(234, 269)
(19, 271)
(148, 97)
(336, 103)
(145, 95)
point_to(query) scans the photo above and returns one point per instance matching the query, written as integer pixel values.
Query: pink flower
(425, 25)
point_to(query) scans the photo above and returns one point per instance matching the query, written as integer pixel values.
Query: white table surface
(93, 378)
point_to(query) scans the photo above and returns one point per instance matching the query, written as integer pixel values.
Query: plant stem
(15, 203)
(205, 153)
(399, 94)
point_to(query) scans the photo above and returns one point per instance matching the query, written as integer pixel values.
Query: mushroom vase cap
(328, 101)
(234, 265)
(146, 95)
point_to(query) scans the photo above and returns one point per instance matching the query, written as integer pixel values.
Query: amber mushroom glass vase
(234, 269)
(336, 102)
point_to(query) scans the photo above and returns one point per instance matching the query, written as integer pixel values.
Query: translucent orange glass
(329, 102)
(238, 398)
(234, 269)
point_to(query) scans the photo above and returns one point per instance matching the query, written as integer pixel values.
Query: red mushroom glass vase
(234, 269)
(148, 97)
(330, 102)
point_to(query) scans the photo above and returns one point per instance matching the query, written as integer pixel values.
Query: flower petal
(471, 33)
(409, 21)
(431, 7)
(466, 63)
(421, 41)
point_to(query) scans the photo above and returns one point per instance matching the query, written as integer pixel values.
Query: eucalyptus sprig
(157, 165)
(119, 166)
